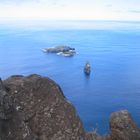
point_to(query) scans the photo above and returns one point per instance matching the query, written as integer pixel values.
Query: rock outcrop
(41, 111)
(123, 127)
(35, 108)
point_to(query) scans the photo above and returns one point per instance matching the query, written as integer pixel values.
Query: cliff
(35, 108)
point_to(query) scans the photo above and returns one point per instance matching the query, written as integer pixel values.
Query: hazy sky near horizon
(70, 9)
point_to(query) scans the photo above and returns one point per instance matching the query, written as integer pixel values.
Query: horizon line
(67, 20)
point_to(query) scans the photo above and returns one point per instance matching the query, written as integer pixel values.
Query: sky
(70, 9)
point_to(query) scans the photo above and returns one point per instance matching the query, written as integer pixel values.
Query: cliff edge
(35, 108)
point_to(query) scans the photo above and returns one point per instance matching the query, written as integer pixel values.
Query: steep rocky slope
(35, 108)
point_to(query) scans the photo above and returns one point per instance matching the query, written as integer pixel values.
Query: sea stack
(87, 68)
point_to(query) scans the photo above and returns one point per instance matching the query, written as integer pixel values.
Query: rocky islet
(61, 50)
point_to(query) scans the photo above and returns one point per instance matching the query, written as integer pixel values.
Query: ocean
(112, 48)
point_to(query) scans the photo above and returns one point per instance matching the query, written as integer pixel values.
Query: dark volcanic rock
(6, 108)
(35, 108)
(42, 111)
(123, 127)
(59, 49)
(6, 111)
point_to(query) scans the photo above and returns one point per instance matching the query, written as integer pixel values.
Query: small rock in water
(87, 68)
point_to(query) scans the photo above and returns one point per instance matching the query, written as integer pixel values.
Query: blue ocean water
(113, 52)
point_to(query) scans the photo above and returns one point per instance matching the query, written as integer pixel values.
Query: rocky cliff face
(35, 108)
(123, 127)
